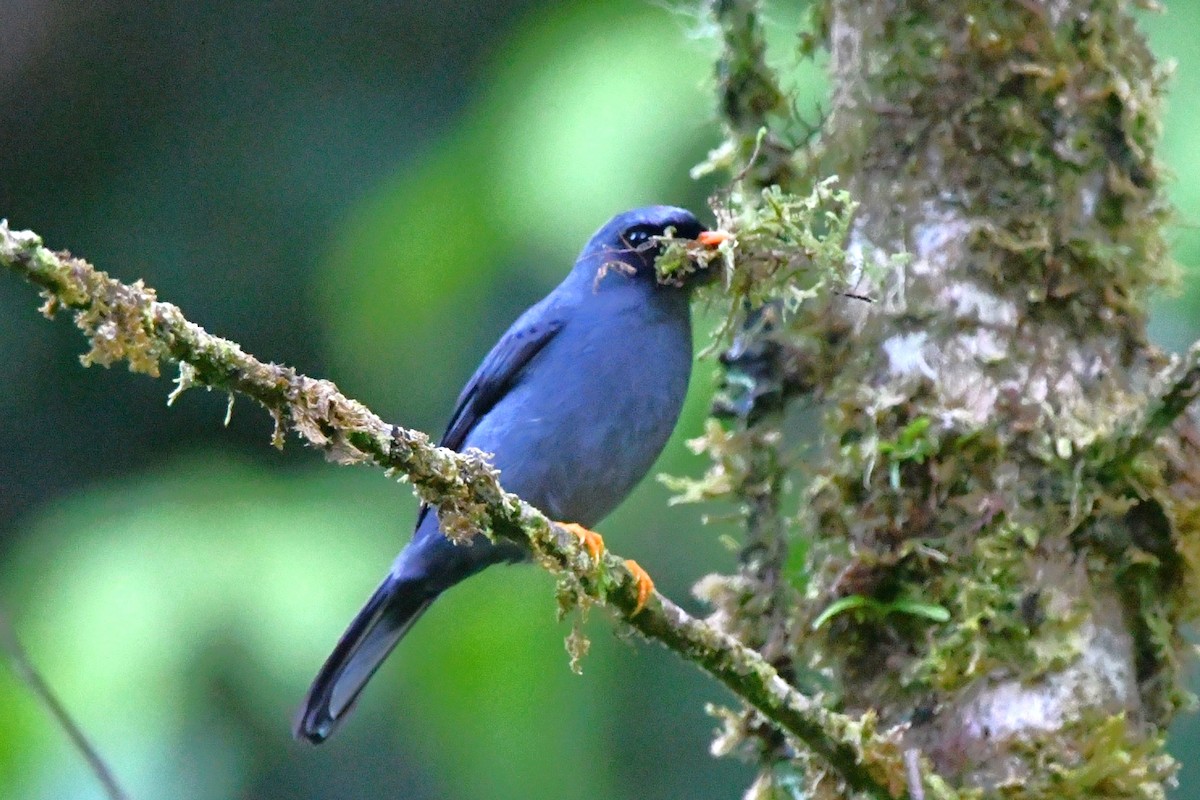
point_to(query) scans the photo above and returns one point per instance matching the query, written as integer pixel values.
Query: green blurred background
(369, 191)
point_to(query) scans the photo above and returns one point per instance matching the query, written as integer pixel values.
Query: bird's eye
(637, 237)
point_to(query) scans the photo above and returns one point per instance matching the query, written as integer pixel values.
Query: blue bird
(575, 402)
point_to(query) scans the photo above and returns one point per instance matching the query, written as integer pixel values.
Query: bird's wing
(497, 374)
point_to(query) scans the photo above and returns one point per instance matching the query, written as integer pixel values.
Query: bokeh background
(369, 191)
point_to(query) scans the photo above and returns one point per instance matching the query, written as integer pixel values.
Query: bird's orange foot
(645, 586)
(591, 541)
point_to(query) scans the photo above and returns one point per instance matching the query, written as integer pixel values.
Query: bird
(574, 402)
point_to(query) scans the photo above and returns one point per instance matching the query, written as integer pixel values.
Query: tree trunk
(994, 574)
(1000, 530)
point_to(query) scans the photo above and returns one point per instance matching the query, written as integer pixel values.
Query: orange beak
(712, 238)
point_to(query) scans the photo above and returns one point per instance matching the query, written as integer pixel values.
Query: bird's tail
(379, 626)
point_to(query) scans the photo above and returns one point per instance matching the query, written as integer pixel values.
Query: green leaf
(841, 605)
(918, 608)
(876, 608)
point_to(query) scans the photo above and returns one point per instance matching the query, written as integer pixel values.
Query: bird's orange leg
(645, 586)
(594, 544)
(591, 541)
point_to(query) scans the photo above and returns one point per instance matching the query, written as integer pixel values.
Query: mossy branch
(750, 99)
(1180, 387)
(126, 322)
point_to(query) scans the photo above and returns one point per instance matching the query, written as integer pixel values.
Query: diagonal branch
(22, 666)
(125, 322)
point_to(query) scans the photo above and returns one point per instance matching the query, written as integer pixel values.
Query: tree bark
(990, 459)
(1002, 521)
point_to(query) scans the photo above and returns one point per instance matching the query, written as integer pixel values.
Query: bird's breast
(591, 413)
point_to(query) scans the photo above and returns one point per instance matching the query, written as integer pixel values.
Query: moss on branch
(1002, 445)
(126, 322)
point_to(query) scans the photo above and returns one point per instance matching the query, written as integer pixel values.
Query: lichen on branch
(126, 322)
(999, 538)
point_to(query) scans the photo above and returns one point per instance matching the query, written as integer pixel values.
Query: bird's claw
(589, 539)
(593, 543)
(645, 585)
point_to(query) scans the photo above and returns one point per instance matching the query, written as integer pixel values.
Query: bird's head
(626, 247)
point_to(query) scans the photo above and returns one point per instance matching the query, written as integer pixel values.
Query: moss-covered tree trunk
(1001, 552)
(1000, 527)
